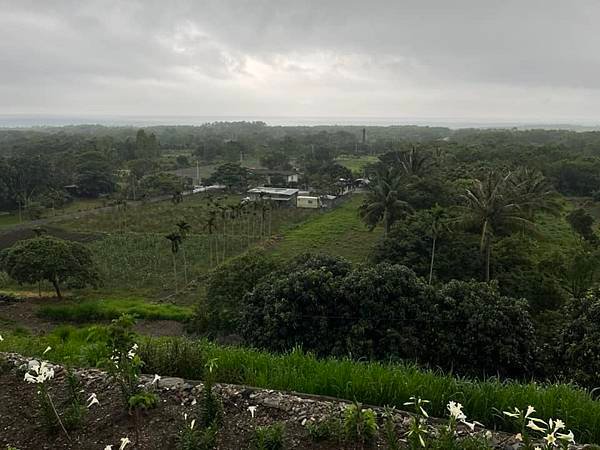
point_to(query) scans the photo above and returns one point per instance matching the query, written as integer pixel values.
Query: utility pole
(197, 173)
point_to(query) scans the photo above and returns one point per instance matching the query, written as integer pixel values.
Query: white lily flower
(30, 378)
(472, 425)
(92, 401)
(550, 439)
(124, 442)
(569, 437)
(455, 410)
(47, 350)
(1, 338)
(108, 447)
(531, 424)
(530, 411)
(42, 372)
(558, 425)
(192, 424)
(194, 402)
(131, 353)
(252, 410)
(156, 379)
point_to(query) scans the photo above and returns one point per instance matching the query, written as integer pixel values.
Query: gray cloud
(509, 60)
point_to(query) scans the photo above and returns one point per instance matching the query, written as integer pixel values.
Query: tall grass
(368, 382)
(107, 309)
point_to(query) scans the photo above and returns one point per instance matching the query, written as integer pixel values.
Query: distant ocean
(22, 121)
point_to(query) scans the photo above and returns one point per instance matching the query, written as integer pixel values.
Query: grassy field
(7, 220)
(339, 232)
(111, 308)
(356, 163)
(12, 218)
(368, 382)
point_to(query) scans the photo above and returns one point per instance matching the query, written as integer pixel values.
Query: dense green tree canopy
(50, 259)
(387, 311)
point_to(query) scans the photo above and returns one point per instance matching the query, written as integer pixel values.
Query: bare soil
(105, 424)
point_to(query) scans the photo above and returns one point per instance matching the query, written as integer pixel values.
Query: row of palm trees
(245, 221)
(496, 205)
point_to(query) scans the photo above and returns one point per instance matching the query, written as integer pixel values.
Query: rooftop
(273, 191)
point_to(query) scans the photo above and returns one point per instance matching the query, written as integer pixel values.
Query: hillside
(339, 232)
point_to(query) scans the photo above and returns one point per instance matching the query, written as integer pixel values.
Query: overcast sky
(443, 59)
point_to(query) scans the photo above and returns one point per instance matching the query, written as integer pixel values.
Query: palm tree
(382, 203)
(492, 206)
(534, 192)
(184, 228)
(414, 162)
(175, 239)
(210, 227)
(438, 227)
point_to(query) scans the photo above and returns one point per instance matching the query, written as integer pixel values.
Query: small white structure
(307, 201)
(281, 196)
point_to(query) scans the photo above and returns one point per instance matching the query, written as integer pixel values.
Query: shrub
(211, 406)
(479, 331)
(360, 425)
(387, 312)
(285, 311)
(329, 429)
(268, 437)
(192, 438)
(580, 341)
(228, 283)
(75, 409)
(389, 429)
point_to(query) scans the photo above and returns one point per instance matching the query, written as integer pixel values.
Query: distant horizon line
(27, 120)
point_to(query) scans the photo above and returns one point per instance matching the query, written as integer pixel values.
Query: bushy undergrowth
(374, 383)
(108, 309)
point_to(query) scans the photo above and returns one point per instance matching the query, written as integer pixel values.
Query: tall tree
(415, 162)
(382, 203)
(534, 192)
(175, 239)
(438, 225)
(491, 206)
(184, 229)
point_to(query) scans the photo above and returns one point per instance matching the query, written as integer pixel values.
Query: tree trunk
(488, 253)
(175, 272)
(386, 224)
(432, 259)
(57, 288)
(185, 277)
